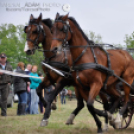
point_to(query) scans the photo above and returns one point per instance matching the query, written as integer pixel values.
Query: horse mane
(48, 22)
(32, 21)
(79, 28)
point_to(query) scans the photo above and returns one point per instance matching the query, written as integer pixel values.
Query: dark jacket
(20, 83)
(4, 78)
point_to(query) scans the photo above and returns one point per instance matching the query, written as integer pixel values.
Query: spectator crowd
(25, 88)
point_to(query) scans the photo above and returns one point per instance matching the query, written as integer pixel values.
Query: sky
(112, 19)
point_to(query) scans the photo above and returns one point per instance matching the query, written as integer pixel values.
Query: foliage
(12, 42)
(70, 88)
(129, 40)
(96, 38)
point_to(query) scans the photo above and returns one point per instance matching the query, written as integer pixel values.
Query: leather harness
(86, 66)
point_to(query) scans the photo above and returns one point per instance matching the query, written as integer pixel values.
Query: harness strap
(84, 50)
(109, 67)
(57, 39)
(95, 59)
(65, 55)
(78, 79)
(95, 66)
(59, 65)
(100, 68)
(50, 79)
(123, 81)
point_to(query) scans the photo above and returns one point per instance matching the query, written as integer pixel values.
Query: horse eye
(61, 29)
(34, 32)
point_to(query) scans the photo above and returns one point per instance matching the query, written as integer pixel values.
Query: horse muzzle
(30, 52)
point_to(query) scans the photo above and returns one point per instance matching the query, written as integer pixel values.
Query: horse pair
(38, 31)
(67, 30)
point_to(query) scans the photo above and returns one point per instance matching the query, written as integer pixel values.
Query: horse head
(61, 33)
(35, 34)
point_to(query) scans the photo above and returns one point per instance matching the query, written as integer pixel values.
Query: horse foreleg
(49, 99)
(39, 93)
(80, 105)
(119, 117)
(46, 103)
(94, 91)
(113, 105)
(106, 108)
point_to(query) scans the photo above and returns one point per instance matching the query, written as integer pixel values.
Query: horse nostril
(29, 52)
(55, 49)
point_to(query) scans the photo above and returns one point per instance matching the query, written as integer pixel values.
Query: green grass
(29, 124)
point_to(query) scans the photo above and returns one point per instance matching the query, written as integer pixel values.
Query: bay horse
(38, 31)
(67, 33)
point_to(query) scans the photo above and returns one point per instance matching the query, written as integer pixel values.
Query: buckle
(71, 69)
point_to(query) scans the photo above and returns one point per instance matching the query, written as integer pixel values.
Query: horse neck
(47, 41)
(77, 40)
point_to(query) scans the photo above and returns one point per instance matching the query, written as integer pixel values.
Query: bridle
(66, 29)
(65, 45)
(39, 32)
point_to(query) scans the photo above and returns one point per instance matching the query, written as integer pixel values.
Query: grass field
(29, 124)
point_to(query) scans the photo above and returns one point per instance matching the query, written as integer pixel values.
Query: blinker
(25, 28)
(65, 28)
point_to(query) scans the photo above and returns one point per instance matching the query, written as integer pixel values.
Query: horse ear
(31, 17)
(40, 17)
(57, 16)
(65, 17)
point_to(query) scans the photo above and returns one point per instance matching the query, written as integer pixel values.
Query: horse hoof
(70, 120)
(44, 123)
(117, 125)
(117, 122)
(69, 123)
(53, 106)
(100, 132)
(105, 128)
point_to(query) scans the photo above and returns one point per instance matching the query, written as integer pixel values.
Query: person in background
(5, 82)
(28, 71)
(20, 88)
(34, 84)
(63, 94)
